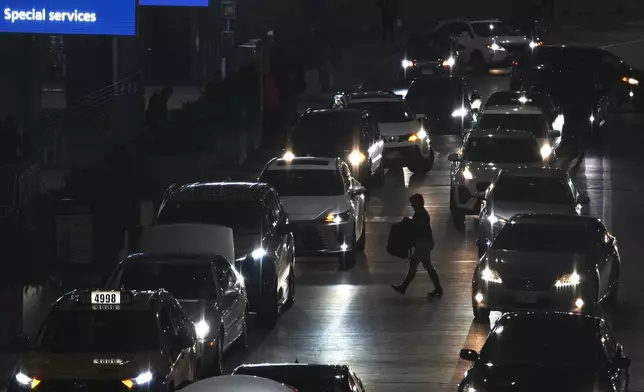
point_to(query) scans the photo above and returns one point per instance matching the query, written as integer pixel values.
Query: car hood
(535, 378)
(487, 171)
(398, 129)
(91, 366)
(537, 265)
(506, 210)
(302, 208)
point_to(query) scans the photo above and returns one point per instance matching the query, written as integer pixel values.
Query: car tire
(290, 300)
(217, 368)
(477, 62)
(361, 243)
(270, 311)
(423, 165)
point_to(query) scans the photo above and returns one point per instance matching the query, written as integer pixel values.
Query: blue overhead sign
(61, 17)
(174, 3)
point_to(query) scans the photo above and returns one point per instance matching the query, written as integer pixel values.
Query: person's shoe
(436, 293)
(399, 289)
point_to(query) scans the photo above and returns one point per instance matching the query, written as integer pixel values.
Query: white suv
(487, 42)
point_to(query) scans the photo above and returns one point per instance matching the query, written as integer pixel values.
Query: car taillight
(515, 63)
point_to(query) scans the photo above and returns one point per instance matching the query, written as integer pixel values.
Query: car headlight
(449, 62)
(258, 253)
(568, 280)
(546, 151)
(202, 328)
(356, 158)
(559, 122)
(496, 47)
(591, 119)
(493, 219)
(24, 380)
(490, 275)
(460, 112)
(141, 379)
(476, 104)
(469, 387)
(288, 156)
(535, 44)
(420, 135)
(467, 174)
(407, 64)
(337, 217)
(631, 81)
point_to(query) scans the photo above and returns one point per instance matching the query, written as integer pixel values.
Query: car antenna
(296, 361)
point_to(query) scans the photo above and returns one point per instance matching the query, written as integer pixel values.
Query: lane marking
(635, 41)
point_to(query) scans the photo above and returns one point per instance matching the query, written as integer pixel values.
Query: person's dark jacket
(421, 228)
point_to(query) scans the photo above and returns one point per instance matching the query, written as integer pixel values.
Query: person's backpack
(400, 241)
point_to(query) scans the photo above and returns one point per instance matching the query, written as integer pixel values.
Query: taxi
(110, 341)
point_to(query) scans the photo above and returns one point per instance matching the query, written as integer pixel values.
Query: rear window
(492, 29)
(183, 280)
(305, 182)
(439, 91)
(386, 112)
(536, 124)
(502, 150)
(243, 216)
(106, 331)
(551, 238)
(334, 130)
(532, 190)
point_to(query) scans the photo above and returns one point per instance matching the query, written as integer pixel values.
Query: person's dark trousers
(411, 274)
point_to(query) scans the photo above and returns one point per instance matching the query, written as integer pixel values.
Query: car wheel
(362, 241)
(423, 165)
(290, 300)
(269, 313)
(477, 62)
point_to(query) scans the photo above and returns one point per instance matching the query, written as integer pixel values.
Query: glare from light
(630, 94)
(333, 218)
(534, 44)
(491, 27)
(202, 329)
(288, 156)
(23, 379)
(490, 275)
(492, 219)
(591, 119)
(143, 378)
(559, 122)
(449, 62)
(407, 63)
(546, 151)
(476, 104)
(471, 389)
(579, 303)
(467, 174)
(460, 112)
(422, 134)
(631, 81)
(356, 158)
(489, 364)
(258, 253)
(523, 99)
(344, 247)
(568, 280)
(478, 297)
(499, 330)
(496, 47)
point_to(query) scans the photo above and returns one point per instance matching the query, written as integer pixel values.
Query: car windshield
(521, 189)
(337, 130)
(183, 280)
(550, 237)
(305, 182)
(386, 112)
(436, 91)
(243, 216)
(570, 58)
(560, 342)
(99, 331)
(533, 123)
(301, 379)
(502, 150)
(510, 99)
(426, 48)
(492, 29)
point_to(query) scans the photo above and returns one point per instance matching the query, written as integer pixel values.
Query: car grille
(307, 238)
(527, 284)
(80, 385)
(397, 139)
(482, 186)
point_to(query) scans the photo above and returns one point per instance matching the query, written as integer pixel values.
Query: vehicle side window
(274, 205)
(168, 329)
(345, 179)
(269, 211)
(460, 28)
(225, 274)
(185, 328)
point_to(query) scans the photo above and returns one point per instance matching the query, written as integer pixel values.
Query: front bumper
(404, 152)
(63, 385)
(314, 238)
(513, 295)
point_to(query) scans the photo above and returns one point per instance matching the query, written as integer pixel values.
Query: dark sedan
(307, 378)
(542, 101)
(448, 103)
(548, 352)
(428, 55)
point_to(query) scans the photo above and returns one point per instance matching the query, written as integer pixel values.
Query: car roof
(500, 134)
(303, 163)
(190, 239)
(515, 95)
(484, 21)
(541, 172)
(169, 258)
(139, 300)
(333, 112)
(213, 189)
(373, 94)
(550, 317)
(582, 48)
(318, 370)
(554, 219)
(512, 109)
(238, 383)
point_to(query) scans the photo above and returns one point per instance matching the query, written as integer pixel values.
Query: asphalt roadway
(410, 343)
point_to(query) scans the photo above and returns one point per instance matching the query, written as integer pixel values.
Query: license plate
(106, 298)
(427, 72)
(526, 298)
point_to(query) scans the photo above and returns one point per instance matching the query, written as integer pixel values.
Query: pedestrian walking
(421, 230)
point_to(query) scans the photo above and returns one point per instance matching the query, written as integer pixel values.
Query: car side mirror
(555, 133)
(620, 363)
(420, 116)
(469, 355)
(583, 200)
(20, 343)
(453, 157)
